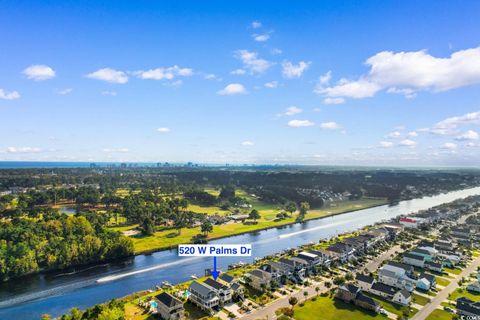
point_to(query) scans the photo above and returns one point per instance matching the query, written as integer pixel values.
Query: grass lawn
(442, 281)
(210, 210)
(438, 314)
(421, 300)
(453, 271)
(169, 238)
(460, 292)
(394, 308)
(332, 309)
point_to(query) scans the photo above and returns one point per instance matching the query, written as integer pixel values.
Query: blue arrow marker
(215, 273)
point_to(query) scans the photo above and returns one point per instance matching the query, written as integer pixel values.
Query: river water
(55, 294)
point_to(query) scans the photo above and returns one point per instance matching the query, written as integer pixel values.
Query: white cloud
(164, 73)
(293, 110)
(23, 150)
(469, 135)
(333, 100)
(210, 76)
(276, 51)
(386, 144)
(408, 143)
(271, 84)
(329, 125)
(163, 130)
(238, 72)
(109, 75)
(261, 37)
(409, 72)
(325, 79)
(290, 70)
(64, 92)
(109, 93)
(231, 89)
(450, 146)
(412, 134)
(247, 143)
(252, 62)
(394, 135)
(300, 123)
(12, 95)
(115, 150)
(39, 72)
(256, 24)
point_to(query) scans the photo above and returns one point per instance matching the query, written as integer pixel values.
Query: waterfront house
(326, 257)
(169, 307)
(238, 291)
(311, 257)
(467, 307)
(364, 282)
(223, 292)
(344, 250)
(402, 297)
(414, 260)
(259, 279)
(383, 290)
(203, 296)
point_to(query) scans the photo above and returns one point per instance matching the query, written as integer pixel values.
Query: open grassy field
(442, 281)
(331, 309)
(438, 314)
(421, 300)
(452, 271)
(169, 238)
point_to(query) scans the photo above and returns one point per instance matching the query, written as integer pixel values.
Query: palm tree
(206, 227)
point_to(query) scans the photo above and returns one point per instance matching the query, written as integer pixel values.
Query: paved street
(442, 295)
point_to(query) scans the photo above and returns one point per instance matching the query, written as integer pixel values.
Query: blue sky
(330, 82)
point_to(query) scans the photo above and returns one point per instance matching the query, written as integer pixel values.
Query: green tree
(291, 207)
(292, 301)
(206, 227)
(254, 215)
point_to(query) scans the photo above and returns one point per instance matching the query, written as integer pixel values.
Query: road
(442, 295)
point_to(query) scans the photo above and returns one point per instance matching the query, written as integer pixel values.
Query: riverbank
(169, 239)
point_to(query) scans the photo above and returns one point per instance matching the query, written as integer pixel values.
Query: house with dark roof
(223, 292)
(364, 282)
(344, 250)
(395, 274)
(347, 292)
(427, 254)
(259, 279)
(238, 291)
(474, 287)
(414, 260)
(402, 297)
(169, 307)
(467, 307)
(326, 256)
(203, 296)
(383, 290)
(367, 302)
(434, 266)
(426, 281)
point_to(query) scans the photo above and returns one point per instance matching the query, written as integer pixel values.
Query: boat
(166, 284)
(194, 276)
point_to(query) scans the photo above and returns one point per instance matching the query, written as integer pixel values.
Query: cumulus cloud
(12, 95)
(450, 125)
(261, 37)
(39, 72)
(23, 150)
(232, 89)
(333, 100)
(109, 75)
(412, 134)
(329, 125)
(450, 146)
(238, 72)
(292, 111)
(64, 92)
(252, 62)
(291, 70)
(407, 143)
(163, 130)
(409, 72)
(300, 123)
(116, 150)
(247, 143)
(386, 144)
(271, 84)
(469, 135)
(256, 24)
(164, 73)
(394, 135)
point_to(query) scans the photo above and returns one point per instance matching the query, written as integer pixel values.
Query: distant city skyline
(324, 83)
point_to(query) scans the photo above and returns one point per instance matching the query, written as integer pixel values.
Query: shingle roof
(200, 288)
(413, 256)
(215, 284)
(367, 299)
(384, 288)
(168, 300)
(226, 277)
(364, 278)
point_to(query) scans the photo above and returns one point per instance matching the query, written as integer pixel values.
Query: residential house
(311, 257)
(474, 287)
(344, 250)
(364, 282)
(367, 303)
(347, 292)
(467, 307)
(397, 276)
(383, 290)
(238, 291)
(169, 307)
(326, 257)
(223, 292)
(434, 266)
(203, 296)
(402, 297)
(426, 281)
(423, 253)
(414, 260)
(259, 279)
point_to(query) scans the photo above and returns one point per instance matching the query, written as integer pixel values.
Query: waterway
(30, 297)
